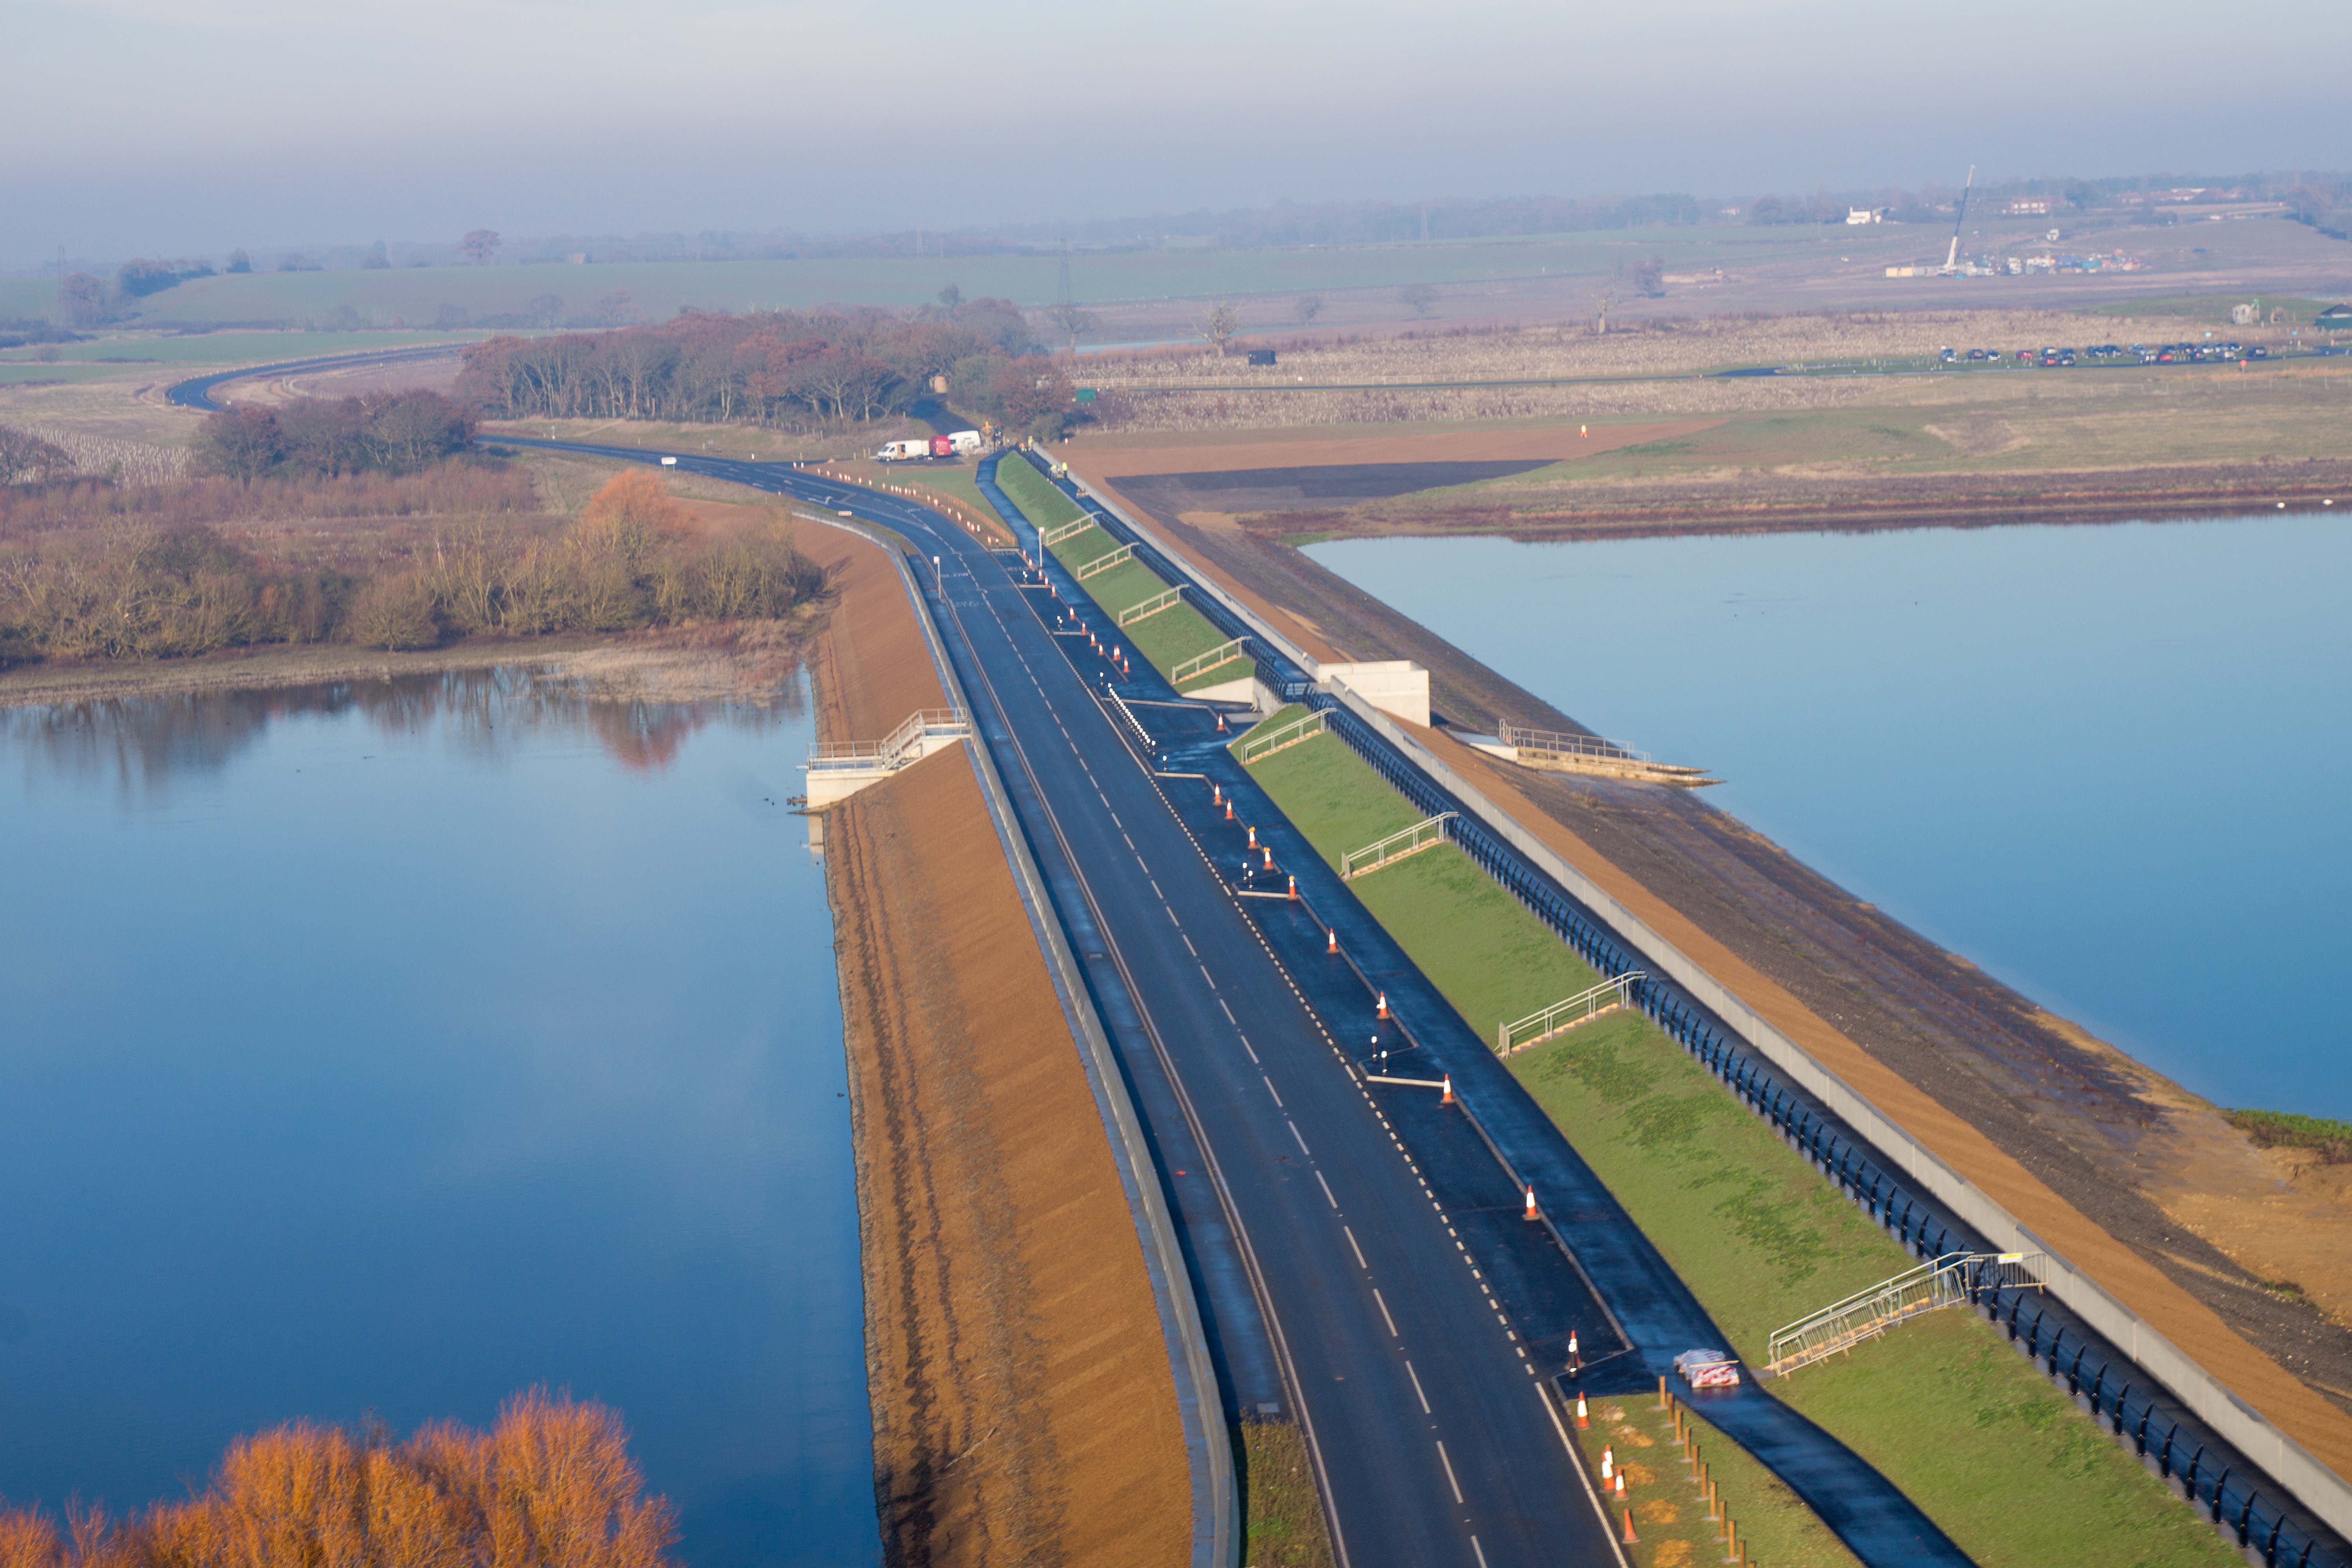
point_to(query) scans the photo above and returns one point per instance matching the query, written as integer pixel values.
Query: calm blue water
(2106, 764)
(392, 1048)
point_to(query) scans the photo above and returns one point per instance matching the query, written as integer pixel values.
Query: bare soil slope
(1023, 1408)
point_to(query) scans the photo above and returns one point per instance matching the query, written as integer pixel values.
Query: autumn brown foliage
(123, 586)
(550, 1486)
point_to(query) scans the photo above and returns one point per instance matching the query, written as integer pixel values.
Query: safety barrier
(1185, 669)
(1152, 606)
(1563, 1016)
(1067, 530)
(1424, 834)
(1260, 743)
(1102, 563)
(1953, 1280)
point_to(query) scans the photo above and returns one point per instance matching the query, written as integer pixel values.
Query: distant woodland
(553, 1485)
(367, 522)
(780, 368)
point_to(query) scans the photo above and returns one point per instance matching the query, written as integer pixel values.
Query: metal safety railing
(1566, 1015)
(1184, 669)
(891, 751)
(1262, 743)
(1152, 606)
(1051, 536)
(1955, 1280)
(1427, 833)
(1102, 563)
(1558, 744)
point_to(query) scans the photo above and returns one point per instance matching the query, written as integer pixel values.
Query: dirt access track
(1024, 1407)
(2138, 1182)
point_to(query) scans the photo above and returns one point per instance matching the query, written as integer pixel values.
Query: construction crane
(1952, 257)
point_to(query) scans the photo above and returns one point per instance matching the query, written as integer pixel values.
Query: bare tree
(1074, 323)
(1310, 307)
(479, 245)
(1601, 309)
(1650, 277)
(1419, 298)
(1220, 321)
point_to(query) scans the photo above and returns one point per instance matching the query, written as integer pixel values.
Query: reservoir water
(2108, 763)
(390, 1048)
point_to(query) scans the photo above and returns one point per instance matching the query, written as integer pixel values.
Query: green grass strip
(1039, 498)
(1942, 1407)
(1282, 1512)
(1669, 1511)
(1166, 639)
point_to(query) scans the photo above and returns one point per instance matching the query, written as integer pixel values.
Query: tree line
(776, 367)
(396, 432)
(552, 1485)
(632, 560)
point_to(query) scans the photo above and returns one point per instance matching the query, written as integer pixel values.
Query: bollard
(1582, 1423)
(1662, 1391)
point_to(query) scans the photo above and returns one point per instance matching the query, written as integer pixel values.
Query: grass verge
(1943, 1408)
(1166, 638)
(1672, 1522)
(1282, 1512)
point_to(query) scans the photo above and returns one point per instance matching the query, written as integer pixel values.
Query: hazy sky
(172, 127)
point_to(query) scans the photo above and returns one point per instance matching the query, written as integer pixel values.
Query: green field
(658, 290)
(1165, 639)
(1962, 1424)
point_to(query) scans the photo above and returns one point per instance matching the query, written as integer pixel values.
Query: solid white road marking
(1449, 1470)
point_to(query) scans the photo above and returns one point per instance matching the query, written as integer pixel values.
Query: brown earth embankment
(1024, 1407)
(2141, 1182)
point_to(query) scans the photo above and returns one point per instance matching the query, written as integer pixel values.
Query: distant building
(2335, 318)
(1865, 214)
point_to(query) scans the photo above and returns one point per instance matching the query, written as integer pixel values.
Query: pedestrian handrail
(1067, 530)
(1102, 563)
(1952, 1280)
(1152, 606)
(1558, 744)
(1185, 669)
(891, 751)
(1260, 743)
(1566, 1015)
(1427, 833)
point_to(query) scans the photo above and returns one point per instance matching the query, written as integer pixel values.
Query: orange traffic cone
(1269, 856)
(1582, 1423)
(1608, 1464)
(1531, 1205)
(1221, 723)
(1252, 843)
(1229, 811)
(1216, 794)
(1333, 944)
(1447, 1098)
(1621, 1486)
(1384, 1005)
(1294, 887)
(1630, 1537)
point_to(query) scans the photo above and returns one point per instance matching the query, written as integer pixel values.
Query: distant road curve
(197, 392)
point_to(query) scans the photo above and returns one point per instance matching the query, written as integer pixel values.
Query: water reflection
(390, 1047)
(138, 745)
